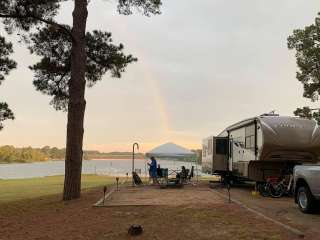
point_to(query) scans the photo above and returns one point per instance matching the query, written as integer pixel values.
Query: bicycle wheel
(264, 189)
(276, 191)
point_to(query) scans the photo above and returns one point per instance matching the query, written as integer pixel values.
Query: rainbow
(153, 85)
(158, 97)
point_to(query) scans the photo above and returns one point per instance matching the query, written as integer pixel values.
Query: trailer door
(222, 151)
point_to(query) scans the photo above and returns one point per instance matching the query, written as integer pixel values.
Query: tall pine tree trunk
(77, 104)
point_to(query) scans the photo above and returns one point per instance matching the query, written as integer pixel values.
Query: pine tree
(6, 65)
(71, 58)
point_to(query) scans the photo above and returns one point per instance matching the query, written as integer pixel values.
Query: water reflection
(100, 167)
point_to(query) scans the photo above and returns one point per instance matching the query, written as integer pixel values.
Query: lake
(101, 167)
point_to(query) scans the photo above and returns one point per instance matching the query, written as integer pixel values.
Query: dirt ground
(281, 209)
(153, 196)
(188, 213)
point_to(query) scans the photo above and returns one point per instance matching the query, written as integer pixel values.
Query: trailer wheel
(305, 200)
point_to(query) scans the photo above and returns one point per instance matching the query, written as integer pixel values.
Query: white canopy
(170, 150)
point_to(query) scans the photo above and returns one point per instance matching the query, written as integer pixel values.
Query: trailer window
(250, 139)
(250, 142)
(204, 151)
(210, 147)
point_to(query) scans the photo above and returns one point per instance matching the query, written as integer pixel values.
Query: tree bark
(77, 104)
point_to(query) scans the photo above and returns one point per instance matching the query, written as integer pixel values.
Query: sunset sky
(203, 65)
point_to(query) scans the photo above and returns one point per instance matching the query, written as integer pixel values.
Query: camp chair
(187, 176)
(163, 177)
(171, 182)
(184, 175)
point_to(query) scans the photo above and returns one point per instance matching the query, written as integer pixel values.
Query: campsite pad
(153, 195)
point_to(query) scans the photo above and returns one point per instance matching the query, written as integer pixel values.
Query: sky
(203, 65)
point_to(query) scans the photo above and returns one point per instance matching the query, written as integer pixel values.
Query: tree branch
(96, 61)
(49, 22)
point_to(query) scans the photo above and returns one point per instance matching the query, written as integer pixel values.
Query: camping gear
(136, 179)
(175, 153)
(135, 230)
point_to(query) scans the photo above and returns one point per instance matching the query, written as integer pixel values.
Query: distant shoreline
(116, 158)
(93, 159)
(10, 154)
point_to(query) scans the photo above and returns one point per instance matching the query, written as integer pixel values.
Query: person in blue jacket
(153, 169)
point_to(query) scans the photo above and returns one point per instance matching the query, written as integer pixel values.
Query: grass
(24, 189)
(209, 178)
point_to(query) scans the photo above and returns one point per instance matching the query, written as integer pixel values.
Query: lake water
(100, 167)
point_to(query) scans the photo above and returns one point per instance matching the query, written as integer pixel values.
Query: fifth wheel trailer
(262, 146)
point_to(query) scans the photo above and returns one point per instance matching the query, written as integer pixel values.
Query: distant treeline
(10, 154)
(111, 155)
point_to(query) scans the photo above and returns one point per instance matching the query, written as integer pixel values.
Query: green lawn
(23, 189)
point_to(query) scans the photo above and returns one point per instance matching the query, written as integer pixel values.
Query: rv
(263, 146)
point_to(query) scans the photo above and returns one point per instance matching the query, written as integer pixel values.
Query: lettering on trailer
(288, 125)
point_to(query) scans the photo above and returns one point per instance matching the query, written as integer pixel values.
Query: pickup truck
(307, 187)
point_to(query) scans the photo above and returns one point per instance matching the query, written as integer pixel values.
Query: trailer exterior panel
(265, 145)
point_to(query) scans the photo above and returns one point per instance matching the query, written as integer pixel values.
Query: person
(183, 172)
(153, 169)
(182, 176)
(159, 171)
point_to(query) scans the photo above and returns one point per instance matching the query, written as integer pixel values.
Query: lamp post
(133, 149)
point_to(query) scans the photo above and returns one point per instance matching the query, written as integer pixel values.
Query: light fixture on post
(133, 149)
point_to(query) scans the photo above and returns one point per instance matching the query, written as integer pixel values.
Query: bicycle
(276, 187)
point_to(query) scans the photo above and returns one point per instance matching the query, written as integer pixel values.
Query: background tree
(306, 42)
(68, 59)
(53, 71)
(5, 113)
(10, 154)
(6, 65)
(307, 112)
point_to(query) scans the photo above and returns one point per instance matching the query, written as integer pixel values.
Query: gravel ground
(281, 209)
